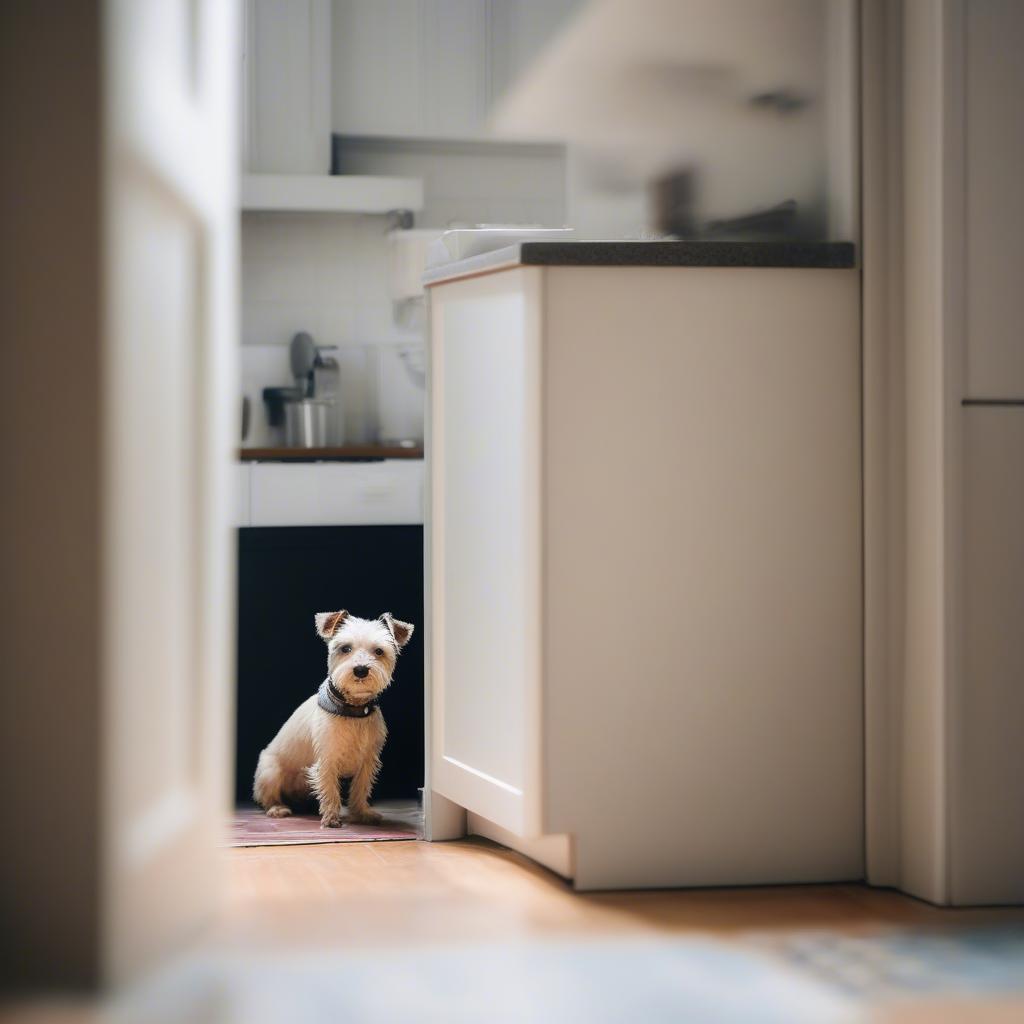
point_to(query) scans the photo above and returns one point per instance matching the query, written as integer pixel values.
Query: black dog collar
(334, 703)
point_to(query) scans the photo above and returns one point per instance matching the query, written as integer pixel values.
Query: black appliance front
(285, 576)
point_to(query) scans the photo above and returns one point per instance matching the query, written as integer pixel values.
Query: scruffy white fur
(314, 749)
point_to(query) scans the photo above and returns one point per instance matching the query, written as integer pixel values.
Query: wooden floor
(415, 892)
(298, 920)
(380, 897)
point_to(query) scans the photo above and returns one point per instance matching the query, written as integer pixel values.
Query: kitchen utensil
(276, 399)
(302, 353)
(310, 423)
(326, 375)
(327, 386)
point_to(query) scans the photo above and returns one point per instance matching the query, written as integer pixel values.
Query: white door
(170, 256)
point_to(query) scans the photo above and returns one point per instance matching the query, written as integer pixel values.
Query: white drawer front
(388, 493)
(241, 479)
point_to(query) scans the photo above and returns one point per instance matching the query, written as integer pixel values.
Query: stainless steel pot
(310, 423)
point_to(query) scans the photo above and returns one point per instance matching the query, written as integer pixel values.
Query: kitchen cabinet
(409, 69)
(286, 86)
(387, 492)
(985, 444)
(993, 211)
(241, 484)
(431, 68)
(988, 843)
(519, 31)
(644, 584)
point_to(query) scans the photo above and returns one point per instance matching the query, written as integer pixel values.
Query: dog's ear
(328, 623)
(401, 631)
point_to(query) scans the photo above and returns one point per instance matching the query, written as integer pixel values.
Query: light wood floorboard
(415, 892)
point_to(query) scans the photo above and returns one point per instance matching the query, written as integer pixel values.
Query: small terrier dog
(337, 733)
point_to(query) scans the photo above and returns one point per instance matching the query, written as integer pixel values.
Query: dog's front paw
(367, 817)
(278, 811)
(331, 821)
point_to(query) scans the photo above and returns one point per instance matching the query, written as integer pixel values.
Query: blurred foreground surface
(467, 931)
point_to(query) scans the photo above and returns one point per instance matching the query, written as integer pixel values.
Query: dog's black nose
(361, 671)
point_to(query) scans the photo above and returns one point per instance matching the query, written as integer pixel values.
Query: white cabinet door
(453, 41)
(994, 154)
(414, 68)
(988, 773)
(485, 547)
(431, 68)
(519, 32)
(375, 68)
(287, 86)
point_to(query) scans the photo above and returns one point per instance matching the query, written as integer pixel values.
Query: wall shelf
(323, 193)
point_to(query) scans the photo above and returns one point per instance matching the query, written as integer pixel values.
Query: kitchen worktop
(829, 255)
(346, 453)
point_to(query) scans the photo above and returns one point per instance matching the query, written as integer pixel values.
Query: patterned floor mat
(251, 827)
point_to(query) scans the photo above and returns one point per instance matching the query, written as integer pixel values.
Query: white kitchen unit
(988, 712)
(431, 68)
(990, 87)
(241, 485)
(286, 86)
(644, 567)
(383, 493)
(286, 118)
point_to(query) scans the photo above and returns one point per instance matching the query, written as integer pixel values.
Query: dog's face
(361, 653)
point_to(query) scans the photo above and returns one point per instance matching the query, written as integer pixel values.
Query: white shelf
(342, 193)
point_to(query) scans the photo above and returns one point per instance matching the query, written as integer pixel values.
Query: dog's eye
(345, 648)
(379, 651)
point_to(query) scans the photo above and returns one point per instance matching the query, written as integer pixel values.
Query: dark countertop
(346, 453)
(827, 255)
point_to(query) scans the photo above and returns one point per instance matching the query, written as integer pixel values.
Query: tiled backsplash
(323, 273)
(379, 400)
